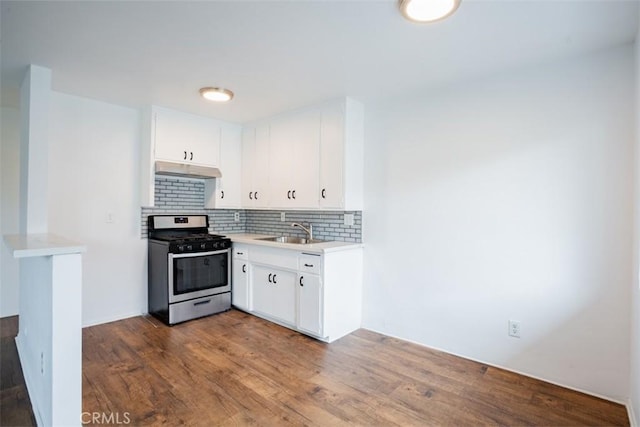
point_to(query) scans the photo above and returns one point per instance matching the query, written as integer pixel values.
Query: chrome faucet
(309, 230)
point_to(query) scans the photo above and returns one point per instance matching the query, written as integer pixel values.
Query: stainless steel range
(189, 269)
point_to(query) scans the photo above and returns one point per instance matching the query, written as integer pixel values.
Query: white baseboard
(590, 393)
(28, 375)
(114, 318)
(633, 421)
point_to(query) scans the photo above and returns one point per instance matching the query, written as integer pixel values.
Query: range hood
(187, 171)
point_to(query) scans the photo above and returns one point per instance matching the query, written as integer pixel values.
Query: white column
(34, 120)
(50, 337)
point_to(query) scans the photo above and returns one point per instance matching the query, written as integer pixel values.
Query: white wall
(9, 205)
(508, 198)
(2, 248)
(93, 173)
(634, 399)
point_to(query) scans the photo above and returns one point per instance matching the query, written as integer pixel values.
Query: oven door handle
(197, 254)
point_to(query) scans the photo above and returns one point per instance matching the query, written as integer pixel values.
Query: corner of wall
(630, 412)
(633, 404)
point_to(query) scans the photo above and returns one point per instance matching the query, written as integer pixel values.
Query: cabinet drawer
(309, 263)
(240, 252)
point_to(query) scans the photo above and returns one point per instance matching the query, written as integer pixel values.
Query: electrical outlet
(282, 217)
(236, 216)
(348, 220)
(514, 328)
(109, 218)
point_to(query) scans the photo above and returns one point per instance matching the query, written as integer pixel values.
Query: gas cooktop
(183, 238)
(189, 233)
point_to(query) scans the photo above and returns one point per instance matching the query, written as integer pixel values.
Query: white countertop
(324, 247)
(32, 245)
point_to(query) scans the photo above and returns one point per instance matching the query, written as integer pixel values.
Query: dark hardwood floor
(236, 369)
(15, 406)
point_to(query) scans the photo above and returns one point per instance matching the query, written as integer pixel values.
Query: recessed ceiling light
(216, 94)
(428, 10)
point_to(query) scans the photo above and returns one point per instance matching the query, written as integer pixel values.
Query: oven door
(199, 274)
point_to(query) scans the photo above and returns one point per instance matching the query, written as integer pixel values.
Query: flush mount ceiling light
(428, 10)
(216, 94)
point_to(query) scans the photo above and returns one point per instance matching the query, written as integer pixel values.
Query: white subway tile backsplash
(175, 196)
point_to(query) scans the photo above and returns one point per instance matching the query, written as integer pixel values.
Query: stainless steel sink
(289, 239)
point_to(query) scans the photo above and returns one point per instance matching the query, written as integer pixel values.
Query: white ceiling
(279, 55)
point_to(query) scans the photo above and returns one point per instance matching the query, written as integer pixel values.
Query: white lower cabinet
(273, 293)
(240, 278)
(310, 304)
(318, 294)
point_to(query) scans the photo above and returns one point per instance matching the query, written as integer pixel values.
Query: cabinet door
(284, 296)
(255, 167)
(185, 138)
(240, 285)
(261, 292)
(293, 150)
(170, 129)
(331, 189)
(306, 161)
(281, 159)
(273, 293)
(261, 165)
(310, 304)
(248, 160)
(229, 188)
(204, 141)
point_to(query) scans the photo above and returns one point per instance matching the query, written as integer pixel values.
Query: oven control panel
(202, 246)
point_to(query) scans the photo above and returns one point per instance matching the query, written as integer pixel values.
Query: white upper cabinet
(310, 158)
(255, 167)
(185, 138)
(332, 157)
(178, 137)
(313, 158)
(342, 156)
(294, 160)
(228, 188)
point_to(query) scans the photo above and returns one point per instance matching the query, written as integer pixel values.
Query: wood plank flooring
(235, 369)
(15, 406)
